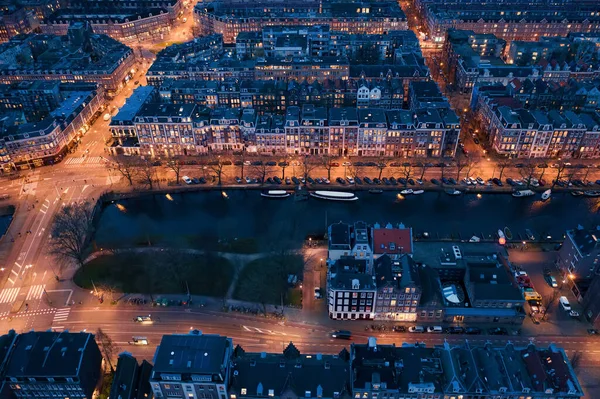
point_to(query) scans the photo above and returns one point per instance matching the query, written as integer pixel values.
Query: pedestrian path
(84, 161)
(60, 316)
(8, 295)
(35, 292)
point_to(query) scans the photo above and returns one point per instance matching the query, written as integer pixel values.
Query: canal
(198, 219)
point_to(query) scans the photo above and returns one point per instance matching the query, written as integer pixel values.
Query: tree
(423, 166)
(548, 301)
(503, 164)
(559, 173)
(527, 172)
(587, 172)
(543, 167)
(406, 172)
(107, 347)
(381, 165)
(443, 167)
(327, 164)
(575, 359)
(470, 164)
(283, 164)
(71, 228)
(175, 164)
(354, 171)
(147, 173)
(306, 166)
(216, 164)
(263, 169)
(127, 167)
(242, 159)
(460, 165)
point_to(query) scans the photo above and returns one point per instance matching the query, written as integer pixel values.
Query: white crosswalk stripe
(61, 315)
(8, 295)
(74, 161)
(94, 160)
(35, 292)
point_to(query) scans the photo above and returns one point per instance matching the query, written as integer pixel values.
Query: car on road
(186, 180)
(318, 294)
(498, 331)
(416, 329)
(143, 319)
(341, 334)
(139, 341)
(473, 331)
(454, 330)
(435, 329)
(564, 303)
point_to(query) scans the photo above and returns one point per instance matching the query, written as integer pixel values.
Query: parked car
(277, 180)
(318, 294)
(340, 180)
(271, 163)
(399, 329)
(454, 330)
(288, 180)
(248, 180)
(498, 331)
(295, 180)
(376, 181)
(552, 281)
(435, 181)
(195, 180)
(472, 331)
(564, 303)
(416, 329)
(435, 329)
(238, 180)
(186, 180)
(367, 180)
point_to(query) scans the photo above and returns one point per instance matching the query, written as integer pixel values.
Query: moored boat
(452, 191)
(592, 193)
(275, 194)
(334, 195)
(576, 193)
(546, 194)
(523, 193)
(375, 191)
(418, 192)
(508, 233)
(407, 191)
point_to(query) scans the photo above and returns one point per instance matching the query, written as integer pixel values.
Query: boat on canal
(407, 191)
(546, 194)
(418, 192)
(334, 195)
(522, 193)
(275, 194)
(508, 233)
(375, 191)
(576, 193)
(592, 193)
(452, 191)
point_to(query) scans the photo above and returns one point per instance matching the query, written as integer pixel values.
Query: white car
(435, 329)
(416, 329)
(186, 180)
(347, 163)
(564, 303)
(350, 180)
(318, 294)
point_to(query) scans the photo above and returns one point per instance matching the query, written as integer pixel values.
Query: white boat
(275, 194)
(576, 193)
(375, 191)
(334, 195)
(501, 233)
(592, 193)
(546, 194)
(451, 191)
(475, 239)
(418, 192)
(523, 193)
(407, 191)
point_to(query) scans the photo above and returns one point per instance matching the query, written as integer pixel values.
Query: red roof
(392, 241)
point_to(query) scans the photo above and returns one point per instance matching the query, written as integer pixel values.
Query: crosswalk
(35, 292)
(8, 295)
(60, 316)
(84, 161)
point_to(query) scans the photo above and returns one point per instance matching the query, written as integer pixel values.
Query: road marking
(35, 292)
(12, 282)
(8, 295)
(61, 315)
(13, 271)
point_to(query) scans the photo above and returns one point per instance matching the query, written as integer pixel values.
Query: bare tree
(107, 347)
(216, 164)
(587, 172)
(71, 228)
(307, 165)
(263, 169)
(575, 359)
(326, 162)
(460, 165)
(584, 52)
(175, 164)
(470, 164)
(381, 165)
(242, 159)
(354, 171)
(147, 173)
(283, 165)
(560, 170)
(423, 166)
(527, 172)
(503, 164)
(406, 172)
(443, 166)
(543, 167)
(127, 167)
(548, 301)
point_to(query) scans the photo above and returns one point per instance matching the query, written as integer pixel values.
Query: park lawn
(265, 280)
(154, 273)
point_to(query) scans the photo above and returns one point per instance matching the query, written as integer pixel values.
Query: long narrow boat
(334, 195)
(275, 194)
(546, 194)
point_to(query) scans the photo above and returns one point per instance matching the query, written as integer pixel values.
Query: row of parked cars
(193, 180)
(344, 334)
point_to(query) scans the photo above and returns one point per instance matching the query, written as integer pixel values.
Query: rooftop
(189, 353)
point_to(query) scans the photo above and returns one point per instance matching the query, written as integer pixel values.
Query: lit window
(271, 392)
(243, 391)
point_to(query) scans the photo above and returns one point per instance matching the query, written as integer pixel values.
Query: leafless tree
(381, 165)
(470, 164)
(423, 166)
(587, 172)
(307, 165)
(108, 348)
(70, 231)
(147, 173)
(407, 172)
(560, 170)
(263, 170)
(575, 359)
(326, 162)
(584, 52)
(548, 301)
(175, 164)
(283, 165)
(527, 172)
(443, 166)
(216, 164)
(127, 167)
(503, 164)
(354, 171)
(543, 167)
(461, 163)
(242, 159)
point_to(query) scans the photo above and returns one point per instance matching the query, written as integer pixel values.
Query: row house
(351, 291)
(269, 134)
(387, 94)
(398, 288)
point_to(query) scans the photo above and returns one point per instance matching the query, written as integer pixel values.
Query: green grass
(265, 280)
(157, 273)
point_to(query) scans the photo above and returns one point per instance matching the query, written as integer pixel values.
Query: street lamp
(321, 263)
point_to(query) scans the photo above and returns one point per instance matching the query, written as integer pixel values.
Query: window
(243, 391)
(271, 392)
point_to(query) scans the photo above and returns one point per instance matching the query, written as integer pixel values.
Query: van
(532, 296)
(564, 303)
(341, 334)
(434, 329)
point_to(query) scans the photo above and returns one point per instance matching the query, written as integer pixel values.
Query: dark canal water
(194, 217)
